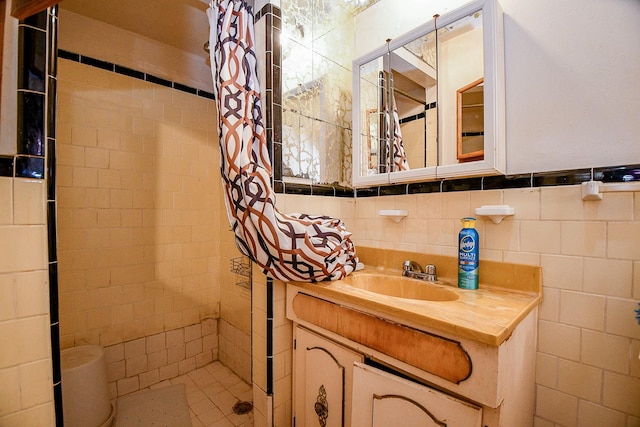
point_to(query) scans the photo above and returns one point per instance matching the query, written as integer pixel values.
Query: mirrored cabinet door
(430, 103)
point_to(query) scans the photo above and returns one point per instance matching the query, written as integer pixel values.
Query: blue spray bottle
(468, 260)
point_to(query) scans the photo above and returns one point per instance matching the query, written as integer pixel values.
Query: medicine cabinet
(430, 104)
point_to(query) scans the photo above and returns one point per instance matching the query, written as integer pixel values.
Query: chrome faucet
(413, 270)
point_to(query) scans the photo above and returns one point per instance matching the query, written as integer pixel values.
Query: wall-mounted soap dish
(395, 215)
(495, 212)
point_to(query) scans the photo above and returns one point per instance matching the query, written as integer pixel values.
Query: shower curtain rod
(411, 97)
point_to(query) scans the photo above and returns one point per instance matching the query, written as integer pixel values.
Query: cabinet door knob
(321, 407)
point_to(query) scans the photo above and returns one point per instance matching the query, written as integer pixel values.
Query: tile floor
(211, 392)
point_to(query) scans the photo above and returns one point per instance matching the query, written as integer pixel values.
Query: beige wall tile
(622, 393)
(443, 232)
(550, 307)
(456, 204)
(584, 238)
(41, 415)
(35, 383)
(525, 201)
(635, 358)
(623, 240)
(27, 249)
(96, 158)
(526, 258)
(83, 136)
(32, 293)
(10, 390)
(366, 208)
(504, 236)
(485, 197)
(593, 415)
(605, 351)
(561, 203)
(608, 277)
(84, 177)
(540, 236)
(556, 406)
(7, 297)
(428, 205)
(415, 230)
(28, 201)
(546, 370)
(12, 334)
(583, 310)
(564, 272)
(6, 195)
(620, 318)
(559, 340)
(579, 380)
(612, 207)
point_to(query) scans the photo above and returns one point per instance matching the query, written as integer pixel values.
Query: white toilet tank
(85, 395)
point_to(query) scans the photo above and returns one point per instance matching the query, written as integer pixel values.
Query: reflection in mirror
(372, 130)
(421, 76)
(397, 107)
(470, 125)
(424, 72)
(460, 61)
(316, 89)
(414, 71)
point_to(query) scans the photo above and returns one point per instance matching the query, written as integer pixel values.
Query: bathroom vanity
(377, 349)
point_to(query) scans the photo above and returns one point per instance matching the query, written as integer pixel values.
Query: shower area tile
(217, 397)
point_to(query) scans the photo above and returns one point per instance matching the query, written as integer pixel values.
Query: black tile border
(623, 173)
(7, 166)
(29, 167)
(129, 72)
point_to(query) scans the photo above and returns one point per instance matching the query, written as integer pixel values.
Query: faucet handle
(411, 266)
(430, 271)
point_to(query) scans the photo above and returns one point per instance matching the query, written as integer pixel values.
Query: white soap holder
(395, 215)
(495, 212)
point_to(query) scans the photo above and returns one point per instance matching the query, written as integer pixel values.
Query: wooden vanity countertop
(488, 315)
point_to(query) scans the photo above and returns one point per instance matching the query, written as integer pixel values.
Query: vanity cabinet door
(323, 372)
(381, 399)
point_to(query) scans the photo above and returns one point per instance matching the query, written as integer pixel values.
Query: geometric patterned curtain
(400, 162)
(295, 247)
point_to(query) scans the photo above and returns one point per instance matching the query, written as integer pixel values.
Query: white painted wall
(79, 34)
(572, 83)
(8, 109)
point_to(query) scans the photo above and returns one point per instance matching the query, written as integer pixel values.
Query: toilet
(85, 395)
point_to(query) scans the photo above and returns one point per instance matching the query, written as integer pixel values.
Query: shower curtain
(296, 247)
(400, 162)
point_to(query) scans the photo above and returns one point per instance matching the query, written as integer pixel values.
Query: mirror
(430, 104)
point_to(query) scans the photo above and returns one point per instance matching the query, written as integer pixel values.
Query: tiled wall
(588, 370)
(272, 353)
(30, 377)
(139, 207)
(143, 362)
(235, 349)
(25, 343)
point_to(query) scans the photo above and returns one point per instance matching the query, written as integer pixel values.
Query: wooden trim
(22, 9)
(434, 354)
(476, 155)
